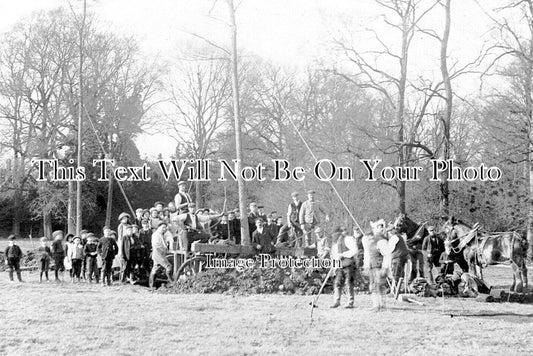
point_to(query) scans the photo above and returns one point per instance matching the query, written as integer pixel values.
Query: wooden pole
(80, 123)
(245, 233)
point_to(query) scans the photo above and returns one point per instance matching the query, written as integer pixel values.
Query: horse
(415, 235)
(474, 248)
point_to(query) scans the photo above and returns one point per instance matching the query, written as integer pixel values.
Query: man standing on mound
(343, 249)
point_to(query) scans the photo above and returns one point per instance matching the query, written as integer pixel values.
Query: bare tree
(200, 93)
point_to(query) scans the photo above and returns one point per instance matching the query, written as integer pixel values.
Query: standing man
(254, 214)
(396, 254)
(182, 199)
(159, 254)
(343, 249)
(373, 263)
(293, 217)
(310, 216)
(433, 245)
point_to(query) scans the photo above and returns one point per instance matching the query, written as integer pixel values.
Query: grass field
(129, 320)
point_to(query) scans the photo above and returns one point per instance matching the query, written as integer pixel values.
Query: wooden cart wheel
(191, 267)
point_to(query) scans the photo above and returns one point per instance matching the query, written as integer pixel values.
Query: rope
(105, 153)
(316, 161)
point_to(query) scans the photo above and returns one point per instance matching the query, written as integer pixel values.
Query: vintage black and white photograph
(266, 177)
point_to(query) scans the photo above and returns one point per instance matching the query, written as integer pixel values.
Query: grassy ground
(88, 319)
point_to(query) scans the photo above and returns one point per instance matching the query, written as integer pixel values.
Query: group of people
(141, 244)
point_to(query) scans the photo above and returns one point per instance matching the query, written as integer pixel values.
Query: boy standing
(76, 256)
(44, 256)
(343, 249)
(108, 249)
(13, 254)
(90, 252)
(58, 253)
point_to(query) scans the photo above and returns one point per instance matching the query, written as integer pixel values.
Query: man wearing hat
(234, 228)
(182, 199)
(433, 246)
(124, 219)
(310, 216)
(343, 249)
(124, 254)
(107, 249)
(293, 216)
(193, 226)
(12, 255)
(58, 253)
(159, 254)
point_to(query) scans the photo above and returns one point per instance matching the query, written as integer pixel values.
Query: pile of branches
(256, 280)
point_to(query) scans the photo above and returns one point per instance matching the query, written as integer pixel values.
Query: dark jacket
(265, 239)
(13, 252)
(107, 248)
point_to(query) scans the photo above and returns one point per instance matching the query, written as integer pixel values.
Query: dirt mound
(260, 281)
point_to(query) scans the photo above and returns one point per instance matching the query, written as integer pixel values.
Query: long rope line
(105, 153)
(316, 161)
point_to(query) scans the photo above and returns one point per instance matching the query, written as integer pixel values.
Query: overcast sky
(292, 32)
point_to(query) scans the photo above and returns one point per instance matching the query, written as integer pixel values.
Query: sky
(289, 32)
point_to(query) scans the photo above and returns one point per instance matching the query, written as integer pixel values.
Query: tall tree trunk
(198, 194)
(447, 119)
(18, 195)
(109, 208)
(80, 125)
(401, 110)
(245, 234)
(71, 210)
(47, 223)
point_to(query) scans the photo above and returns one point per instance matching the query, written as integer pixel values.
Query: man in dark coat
(433, 245)
(108, 249)
(234, 228)
(262, 239)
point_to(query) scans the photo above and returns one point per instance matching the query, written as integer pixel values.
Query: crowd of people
(140, 245)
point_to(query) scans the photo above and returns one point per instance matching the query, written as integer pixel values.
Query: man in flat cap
(293, 217)
(182, 199)
(433, 246)
(311, 214)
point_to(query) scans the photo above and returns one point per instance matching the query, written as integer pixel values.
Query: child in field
(43, 256)
(76, 257)
(12, 256)
(90, 252)
(107, 249)
(58, 253)
(68, 260)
